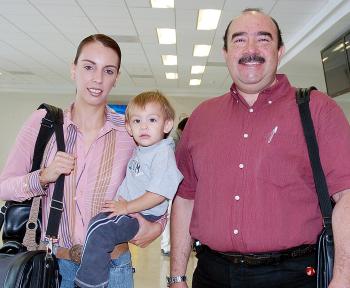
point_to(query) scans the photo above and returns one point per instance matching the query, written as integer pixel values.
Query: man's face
(252, 55)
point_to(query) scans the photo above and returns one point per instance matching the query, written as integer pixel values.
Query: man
(248, 186)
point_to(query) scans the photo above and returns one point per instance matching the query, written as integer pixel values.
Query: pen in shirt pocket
(272, 134)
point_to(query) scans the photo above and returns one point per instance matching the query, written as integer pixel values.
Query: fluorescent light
(197, 69)
(166, 36)
(208, 19)
(201, 50)
(195, 82)
(162, 3)
(169, 59)
(171, 75)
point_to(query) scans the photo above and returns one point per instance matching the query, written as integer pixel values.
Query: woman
(97, 151)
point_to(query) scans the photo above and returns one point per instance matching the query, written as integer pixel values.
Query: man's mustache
(251, 58)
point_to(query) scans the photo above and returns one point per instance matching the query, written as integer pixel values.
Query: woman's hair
(141, 100)
(104, 40)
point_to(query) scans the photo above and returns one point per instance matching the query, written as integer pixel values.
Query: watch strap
(175, 279)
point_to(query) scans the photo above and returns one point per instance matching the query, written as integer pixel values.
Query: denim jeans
(215, 272)
(120, 272)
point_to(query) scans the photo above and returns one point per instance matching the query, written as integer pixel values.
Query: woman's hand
(63, 163)
(148, 231)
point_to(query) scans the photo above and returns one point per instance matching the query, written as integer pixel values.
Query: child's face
(148, 125)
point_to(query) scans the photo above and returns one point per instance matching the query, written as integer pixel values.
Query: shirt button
(235, 231)
(251, 110)
(237, 197)
(270, 102)
(241, 166)
(245, 135)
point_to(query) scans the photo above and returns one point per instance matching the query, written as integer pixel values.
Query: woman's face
(95, 73)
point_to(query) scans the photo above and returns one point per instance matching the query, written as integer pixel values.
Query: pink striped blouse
(99, 171)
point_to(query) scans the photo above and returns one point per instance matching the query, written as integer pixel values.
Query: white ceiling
(38, 39)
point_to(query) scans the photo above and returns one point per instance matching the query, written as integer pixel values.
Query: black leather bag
(15, 221)
(325, 252)
(31, 269)
(38, 268)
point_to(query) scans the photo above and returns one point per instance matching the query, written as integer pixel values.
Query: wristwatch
(175, 279)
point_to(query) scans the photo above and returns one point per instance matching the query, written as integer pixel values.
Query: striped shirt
(97, 175)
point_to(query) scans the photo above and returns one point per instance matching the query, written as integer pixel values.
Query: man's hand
(147, 233)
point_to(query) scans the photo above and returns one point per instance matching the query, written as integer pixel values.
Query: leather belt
(66, 253)
(255, 259)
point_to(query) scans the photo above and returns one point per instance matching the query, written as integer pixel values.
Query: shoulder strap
(46, 130)
(303, 99)
(56, 207)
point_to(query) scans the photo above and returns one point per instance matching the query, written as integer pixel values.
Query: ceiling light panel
(166, 36)
(197, 69)
(208, 19)
(201, 50)
(195, 82)
(169, 59)
(162, 3)
(171, 75)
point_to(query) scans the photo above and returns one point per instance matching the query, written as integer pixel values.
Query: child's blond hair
(141, 100)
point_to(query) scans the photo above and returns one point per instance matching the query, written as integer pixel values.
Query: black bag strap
(56, 207)
(303, 99)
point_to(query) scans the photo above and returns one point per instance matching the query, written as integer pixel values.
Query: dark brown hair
(279, 33)
(104, 40)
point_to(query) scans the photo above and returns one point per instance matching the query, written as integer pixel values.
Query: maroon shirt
(248, 171)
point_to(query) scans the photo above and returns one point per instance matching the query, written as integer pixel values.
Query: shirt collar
(114, 120)
(271, 93)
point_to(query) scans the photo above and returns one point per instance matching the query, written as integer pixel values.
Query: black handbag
(37, 268)
(14, 215)
(325, 251)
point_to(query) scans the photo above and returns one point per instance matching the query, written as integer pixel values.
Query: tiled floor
(152, 268)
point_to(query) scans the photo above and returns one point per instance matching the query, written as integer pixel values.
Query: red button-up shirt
(248, 171)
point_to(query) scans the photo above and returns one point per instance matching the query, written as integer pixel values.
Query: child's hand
(116, 208)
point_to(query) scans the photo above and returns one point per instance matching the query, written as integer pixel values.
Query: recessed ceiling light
(208, 19)
(170, 75)
(197, 69)
(195, 82)
(162, 3)
(169, 59)
(201, 50)
(166, 36)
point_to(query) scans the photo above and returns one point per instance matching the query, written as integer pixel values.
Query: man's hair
(279, 33)
(141, 100)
